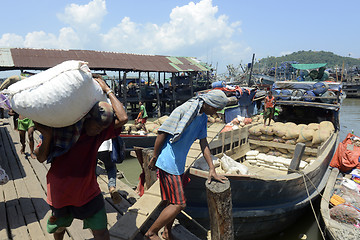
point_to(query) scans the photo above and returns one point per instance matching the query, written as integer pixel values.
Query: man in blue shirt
(186, 123)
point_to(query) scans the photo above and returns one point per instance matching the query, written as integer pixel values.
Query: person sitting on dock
(269, 107)
(72, 188)
(185, 124)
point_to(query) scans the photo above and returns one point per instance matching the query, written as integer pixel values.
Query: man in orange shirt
(269, 107)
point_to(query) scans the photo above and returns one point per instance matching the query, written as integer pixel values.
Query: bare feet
(33, 156)
(151, 236)
(167, 234)
(115, 195)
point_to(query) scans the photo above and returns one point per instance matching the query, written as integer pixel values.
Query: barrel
(285, 94)
(300, 79)
(308, 96)
(314, 74)
(297, 94)
(325, 76)
(275, 92)
(328, 94)
(218, 84)
(304, 73)
(320, 88)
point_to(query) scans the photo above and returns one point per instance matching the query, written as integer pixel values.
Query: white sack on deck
(229, 165)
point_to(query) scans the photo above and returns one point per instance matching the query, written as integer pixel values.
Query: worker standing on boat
(185, 124)
(72, 188)
(269, 107)
(142, 116)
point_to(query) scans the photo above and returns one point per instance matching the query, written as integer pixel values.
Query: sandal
(116, 197)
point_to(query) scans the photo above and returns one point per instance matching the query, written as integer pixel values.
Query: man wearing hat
(185, 124)
(72, 188)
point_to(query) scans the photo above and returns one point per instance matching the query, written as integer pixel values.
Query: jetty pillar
(220, 210)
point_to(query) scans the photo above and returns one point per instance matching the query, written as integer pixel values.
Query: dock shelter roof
(41, 59)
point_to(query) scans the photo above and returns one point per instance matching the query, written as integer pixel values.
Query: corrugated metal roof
(41, 59)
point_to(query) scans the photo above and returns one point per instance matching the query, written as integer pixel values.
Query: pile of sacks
(223, 165)
(312, 135)
(254, 157)
(151, 127)
(237, 123)
(215, 118)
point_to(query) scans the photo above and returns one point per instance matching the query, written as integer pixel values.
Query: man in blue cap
(185, 124)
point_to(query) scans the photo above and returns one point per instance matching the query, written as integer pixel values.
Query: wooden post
(295, 162)
(124, 90)
(158, 96)
(150, 176)
(220, 210)
(252, 64)
(191, 76)
(173, 83)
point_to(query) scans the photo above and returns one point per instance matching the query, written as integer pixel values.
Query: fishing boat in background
(340, 202)
(274, 192)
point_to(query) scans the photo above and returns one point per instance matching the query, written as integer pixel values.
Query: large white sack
(57, 97)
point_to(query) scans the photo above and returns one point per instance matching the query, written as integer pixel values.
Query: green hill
(330, 58)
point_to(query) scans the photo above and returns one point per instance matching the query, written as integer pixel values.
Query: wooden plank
(280, 145)
(295, 162)
(16, 222)
(122, 206)
(179, 232)
(35, 230)
(130, 224)
(35, 194)
(3, 217)
(77, 232)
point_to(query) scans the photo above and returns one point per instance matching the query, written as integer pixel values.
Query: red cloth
(142, 120)
(269, 102)
(345, 159)
(71, 179)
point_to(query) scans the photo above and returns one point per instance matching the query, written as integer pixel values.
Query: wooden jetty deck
(23, 207)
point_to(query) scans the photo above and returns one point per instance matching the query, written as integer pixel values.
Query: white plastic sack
(57, 97)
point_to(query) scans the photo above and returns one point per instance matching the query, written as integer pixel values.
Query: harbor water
(306, 226)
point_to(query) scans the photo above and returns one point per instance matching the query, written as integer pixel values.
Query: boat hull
(263, 206)
(132, 141)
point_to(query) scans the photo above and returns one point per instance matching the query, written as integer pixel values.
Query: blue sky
(218, 32)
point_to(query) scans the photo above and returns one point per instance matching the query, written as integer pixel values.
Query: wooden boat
(132, 140)
(334, 195)
(352, 89)
(335, 230)
(266, 200)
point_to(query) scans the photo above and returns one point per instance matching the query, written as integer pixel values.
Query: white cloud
(86, 17)
(68, 39)
(11, 40)
(195, 29)
(285, 53)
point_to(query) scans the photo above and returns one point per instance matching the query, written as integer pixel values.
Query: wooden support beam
(295, 162)
(220, 210)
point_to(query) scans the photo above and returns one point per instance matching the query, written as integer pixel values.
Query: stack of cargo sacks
(279, 163)
(312, 135)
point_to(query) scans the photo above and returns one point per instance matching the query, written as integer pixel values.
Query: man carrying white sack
(72, 188)
(185, 124)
